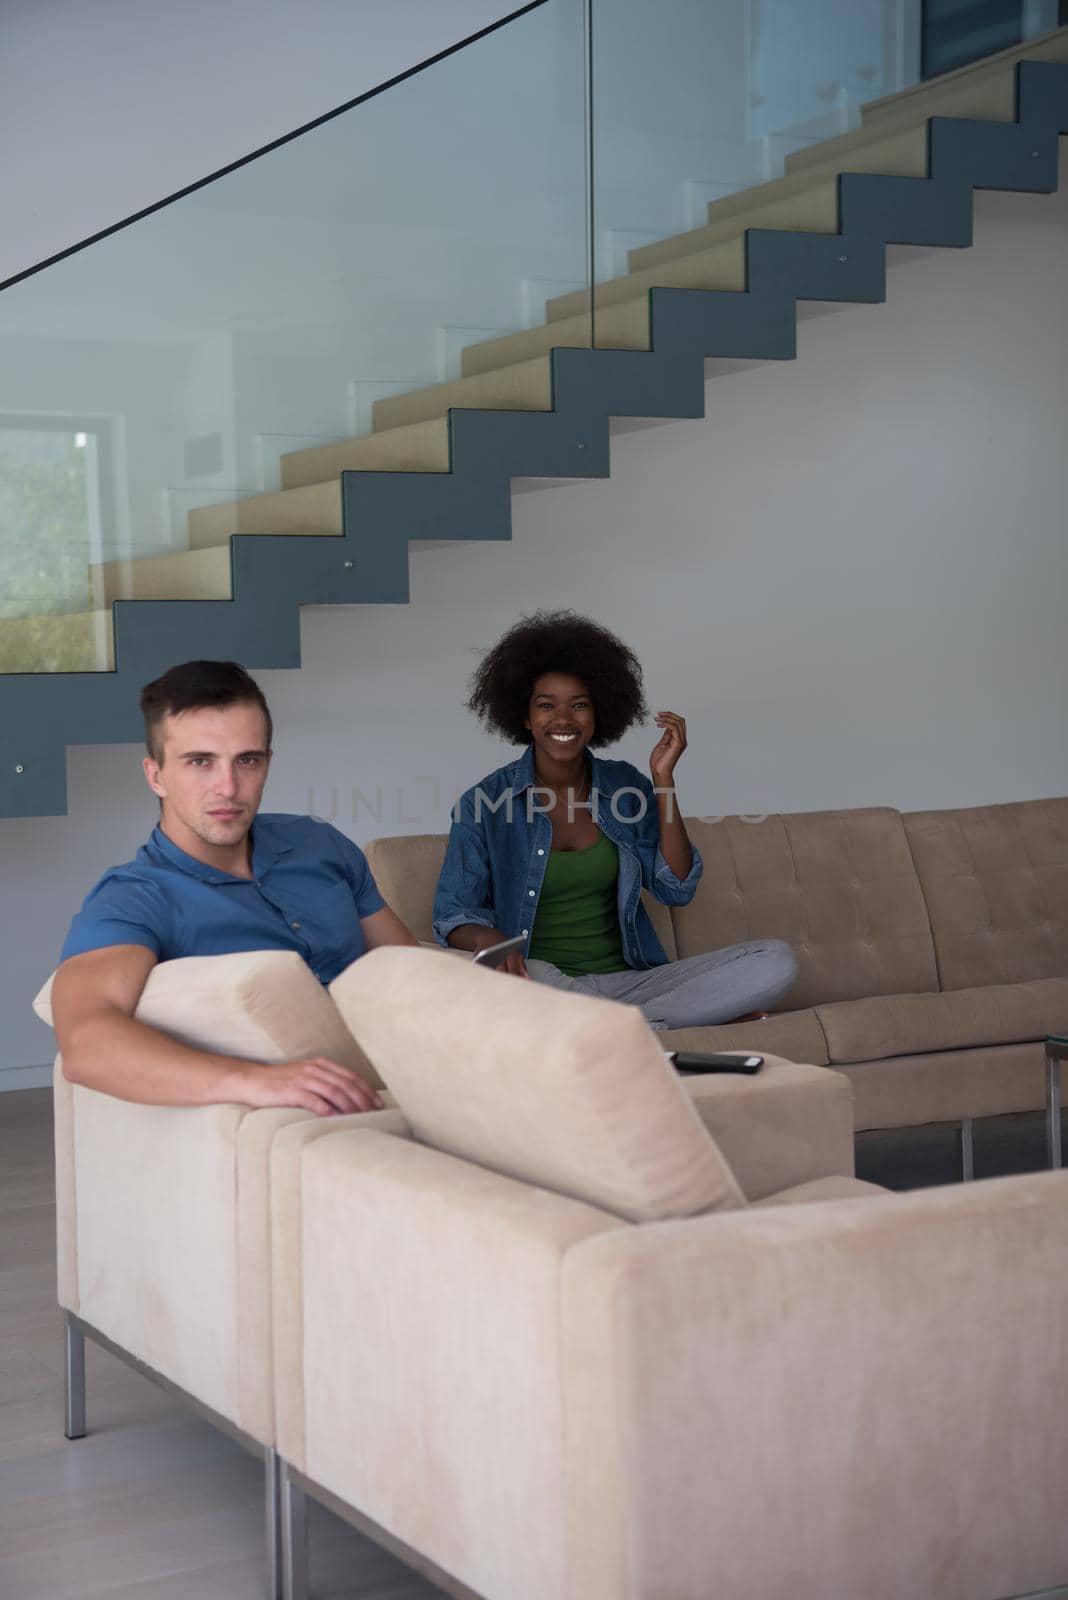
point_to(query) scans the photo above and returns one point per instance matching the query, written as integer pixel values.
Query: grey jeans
(715, 987)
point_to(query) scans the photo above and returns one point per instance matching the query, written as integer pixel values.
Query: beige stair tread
(314, 508)
(901, 153)
(526, 386)
(623, 324)
(893, 143)
(957, 86)
(422, 447)
(806, 208)
(76, 641)
(178, 575)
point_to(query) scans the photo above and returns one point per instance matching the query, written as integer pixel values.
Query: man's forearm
(132, 1061)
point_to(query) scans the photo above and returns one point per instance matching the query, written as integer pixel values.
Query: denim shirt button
(531, 893)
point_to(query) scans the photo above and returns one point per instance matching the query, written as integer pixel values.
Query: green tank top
(577, 925)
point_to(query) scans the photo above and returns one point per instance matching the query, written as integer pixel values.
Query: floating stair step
(799, 195)
(622, 327)
(179, 575)
(527, 386)
(77, 641)
(423, 447)
(623, 309)
(314, 508)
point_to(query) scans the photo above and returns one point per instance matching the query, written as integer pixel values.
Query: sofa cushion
(564, 1091)
(839, 886)
(947, 1085)
(908, 1024)
(260, 1005)
(996, 882)
(787, 1124)
(835, 1188)
(796, 1035)
(406, 869)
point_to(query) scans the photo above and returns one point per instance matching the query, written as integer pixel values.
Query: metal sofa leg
(73, 1378)
(1053, 1107)
(293, 1510)
(272, 1522)
(967, 1151)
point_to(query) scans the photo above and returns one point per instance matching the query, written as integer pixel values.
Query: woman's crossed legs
(694, 993)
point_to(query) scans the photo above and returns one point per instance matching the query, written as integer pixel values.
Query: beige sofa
(164, 1214)
(933, 945)
(598, 1374)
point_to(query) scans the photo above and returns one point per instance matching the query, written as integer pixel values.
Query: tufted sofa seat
(932, 946)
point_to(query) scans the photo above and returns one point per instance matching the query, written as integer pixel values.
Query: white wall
(851, 577)
(113, 104)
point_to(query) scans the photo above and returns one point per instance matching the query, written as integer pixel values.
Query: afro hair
(558, 641)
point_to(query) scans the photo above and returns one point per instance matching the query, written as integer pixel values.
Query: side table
(1056, 1052)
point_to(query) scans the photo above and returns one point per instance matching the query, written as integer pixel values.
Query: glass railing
(693, 103)
(153, 384)
(211, 368)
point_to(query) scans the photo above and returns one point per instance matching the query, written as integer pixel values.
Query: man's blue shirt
(309, 888)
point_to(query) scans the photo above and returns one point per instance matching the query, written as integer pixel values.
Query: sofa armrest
(863, 1392)
(163, 1224)
(784, 1126)
(429, 1291)
(150, 1225)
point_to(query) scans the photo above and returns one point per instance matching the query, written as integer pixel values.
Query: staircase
(440, 460)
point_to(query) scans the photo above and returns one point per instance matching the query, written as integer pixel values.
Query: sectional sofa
(558, 1325)
(590, 1368)
(167, 1217)
(932, 945)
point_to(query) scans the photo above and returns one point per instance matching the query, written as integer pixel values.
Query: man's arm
(385, 927)
(94, 997)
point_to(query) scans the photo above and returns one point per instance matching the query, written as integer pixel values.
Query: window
(958, 31)
(54, 485)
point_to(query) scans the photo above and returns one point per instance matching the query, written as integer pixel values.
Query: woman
(558, 845)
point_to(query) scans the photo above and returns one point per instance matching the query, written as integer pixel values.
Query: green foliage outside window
(44, 524)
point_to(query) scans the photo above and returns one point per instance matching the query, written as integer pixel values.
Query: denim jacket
(499, 847)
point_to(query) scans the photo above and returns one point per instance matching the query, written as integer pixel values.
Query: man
(212, 879)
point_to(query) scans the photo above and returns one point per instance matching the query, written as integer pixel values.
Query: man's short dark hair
(197, 686)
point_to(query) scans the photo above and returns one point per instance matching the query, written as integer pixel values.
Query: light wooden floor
(153, 1504)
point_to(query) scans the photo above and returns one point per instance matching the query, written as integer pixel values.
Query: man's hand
(475, 938)
(106, 1048)
(318, 1085)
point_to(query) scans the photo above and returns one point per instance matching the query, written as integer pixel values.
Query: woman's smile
(558, 695)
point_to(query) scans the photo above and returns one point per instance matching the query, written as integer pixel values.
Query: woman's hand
(669, 748)
(471, 936)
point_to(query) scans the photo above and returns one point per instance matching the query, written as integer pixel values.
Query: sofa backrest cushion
(996, 882)
(260, 1005)
(839, 886)
(568, 1092)
(406, 869)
